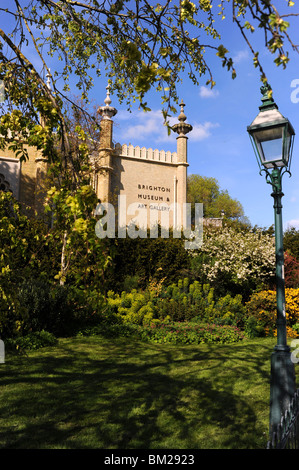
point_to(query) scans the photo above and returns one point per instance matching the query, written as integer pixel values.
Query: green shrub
(32, 341)
(112, 330)
(196, 301)
(178, 302)
(138, 261)
(253, 328)
(35, 305)
(130, 283)
(47, 307)
(189, 333)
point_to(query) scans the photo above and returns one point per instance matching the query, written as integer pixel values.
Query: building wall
(20, 176)
(151, 180)
(149, 186)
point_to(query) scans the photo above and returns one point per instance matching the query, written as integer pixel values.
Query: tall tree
(137, 44)
(291, 241)
(206, 190)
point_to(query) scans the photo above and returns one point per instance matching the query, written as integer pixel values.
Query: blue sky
(219, 145)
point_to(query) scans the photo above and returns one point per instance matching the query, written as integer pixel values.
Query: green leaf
(221, 51)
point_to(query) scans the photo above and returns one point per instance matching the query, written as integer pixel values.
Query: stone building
(149, 179)
(25, 180)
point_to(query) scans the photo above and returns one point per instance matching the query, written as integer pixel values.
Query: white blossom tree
(233, 259)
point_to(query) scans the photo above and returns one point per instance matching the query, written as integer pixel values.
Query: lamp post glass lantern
(274, 145)
(272, 136)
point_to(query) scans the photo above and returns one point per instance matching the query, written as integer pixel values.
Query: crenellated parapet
(142, 153)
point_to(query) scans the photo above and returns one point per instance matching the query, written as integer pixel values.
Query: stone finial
(107, 100)
(182, 128)
(107, 111)
(182, 117)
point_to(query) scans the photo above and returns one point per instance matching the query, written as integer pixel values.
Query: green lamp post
(272, 137)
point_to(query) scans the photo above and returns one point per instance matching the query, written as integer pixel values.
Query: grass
(95, 392)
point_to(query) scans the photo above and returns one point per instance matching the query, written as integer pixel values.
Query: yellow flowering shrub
(262, 307)
(292, 306)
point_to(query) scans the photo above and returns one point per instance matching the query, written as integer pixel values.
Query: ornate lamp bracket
(275, 177)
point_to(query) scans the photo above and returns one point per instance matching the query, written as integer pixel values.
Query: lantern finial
(267, 99)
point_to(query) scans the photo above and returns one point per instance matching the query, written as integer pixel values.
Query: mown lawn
(119, 394)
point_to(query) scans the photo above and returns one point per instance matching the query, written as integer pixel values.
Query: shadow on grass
(95, 393)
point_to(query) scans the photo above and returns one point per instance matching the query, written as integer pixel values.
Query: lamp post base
(283, 383)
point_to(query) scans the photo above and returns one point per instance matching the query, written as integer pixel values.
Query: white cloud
(240, 55)
(202, 131)
(148, 124)
(142, 125)
(137, 127)
(293, 223)
(206, 92)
